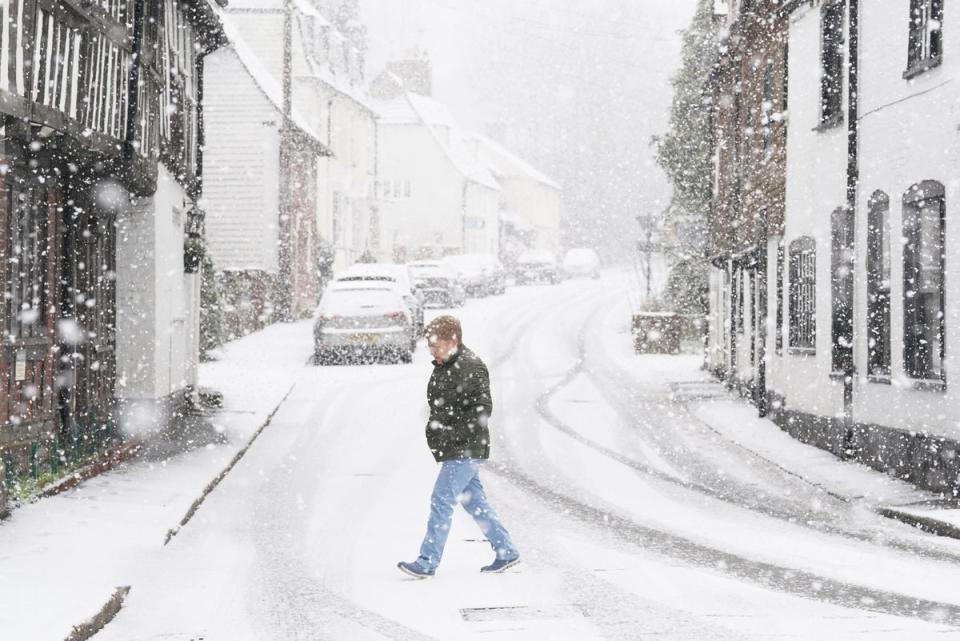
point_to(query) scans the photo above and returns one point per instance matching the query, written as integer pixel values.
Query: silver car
(360, 322)
(387, 274)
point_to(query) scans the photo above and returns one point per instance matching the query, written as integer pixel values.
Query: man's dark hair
(444, 328)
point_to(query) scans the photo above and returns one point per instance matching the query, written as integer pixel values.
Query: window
(925, 45)
(831, 64)
(781, 268)
(396, 189)
(878, 286)
(841, 289)
(924, 321)
(29, 263)
(803, 294)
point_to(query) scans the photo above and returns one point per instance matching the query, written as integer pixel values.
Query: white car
(581, 261)
(397, 276)
(360, 320)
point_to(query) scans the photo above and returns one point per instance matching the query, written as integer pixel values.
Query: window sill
(922, 67)
(882, 379)
(929, 385)
(802, 351)
(829, 124)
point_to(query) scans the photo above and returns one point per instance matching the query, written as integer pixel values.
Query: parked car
(397, 275)
(361, 320)
(581, 261)
(437, 283)
(537, 267)
(482, 274)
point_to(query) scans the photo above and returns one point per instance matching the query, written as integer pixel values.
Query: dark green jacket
(460, 406)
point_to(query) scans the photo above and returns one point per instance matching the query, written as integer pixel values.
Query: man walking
(458, 437)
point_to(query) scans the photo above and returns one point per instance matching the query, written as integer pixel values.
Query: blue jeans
(459, 482)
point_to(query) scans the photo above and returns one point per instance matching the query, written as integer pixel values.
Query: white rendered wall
(157, 314)
(908, 134)
(816, 186)
(539, 204)
(433, 215)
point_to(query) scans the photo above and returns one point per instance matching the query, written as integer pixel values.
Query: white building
(531, 200)
(861, 331)
(436, 197)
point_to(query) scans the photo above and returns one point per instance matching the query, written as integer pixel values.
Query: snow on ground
(76, 548)
(634, 516)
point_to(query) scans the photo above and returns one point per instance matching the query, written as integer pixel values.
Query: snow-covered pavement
(645, 503)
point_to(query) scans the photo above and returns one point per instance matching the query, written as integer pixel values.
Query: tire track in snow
(768, 575)
(614, 388)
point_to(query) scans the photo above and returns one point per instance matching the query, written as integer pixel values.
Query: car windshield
(361, 277)
(428, 270)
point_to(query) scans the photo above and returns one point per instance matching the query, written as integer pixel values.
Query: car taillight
(327, 317)
(396, 316)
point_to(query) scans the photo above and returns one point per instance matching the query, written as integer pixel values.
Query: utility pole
(284, 237)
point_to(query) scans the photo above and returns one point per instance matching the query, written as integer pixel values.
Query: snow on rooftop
(311, 11)
(265, 80)
(507, 164)
(438, 118)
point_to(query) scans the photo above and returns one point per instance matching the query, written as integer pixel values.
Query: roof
(435, 115)
(269, 85)
(506, 164)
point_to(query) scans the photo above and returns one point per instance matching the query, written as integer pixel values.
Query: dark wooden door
(88, 278)
(29, 203)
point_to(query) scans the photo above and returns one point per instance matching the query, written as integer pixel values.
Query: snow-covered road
(635, 516)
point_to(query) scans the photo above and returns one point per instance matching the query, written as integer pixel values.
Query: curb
(106, 614)
(212, 485)
(922, 523)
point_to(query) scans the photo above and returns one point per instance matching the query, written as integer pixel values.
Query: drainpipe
(853, 183)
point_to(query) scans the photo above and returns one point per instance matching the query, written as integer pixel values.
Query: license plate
(363, 339)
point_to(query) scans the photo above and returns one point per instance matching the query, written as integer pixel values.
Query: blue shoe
(415, 570)
(500, 565)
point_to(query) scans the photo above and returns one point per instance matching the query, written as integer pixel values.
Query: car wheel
(406, 356)
(319, 358)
